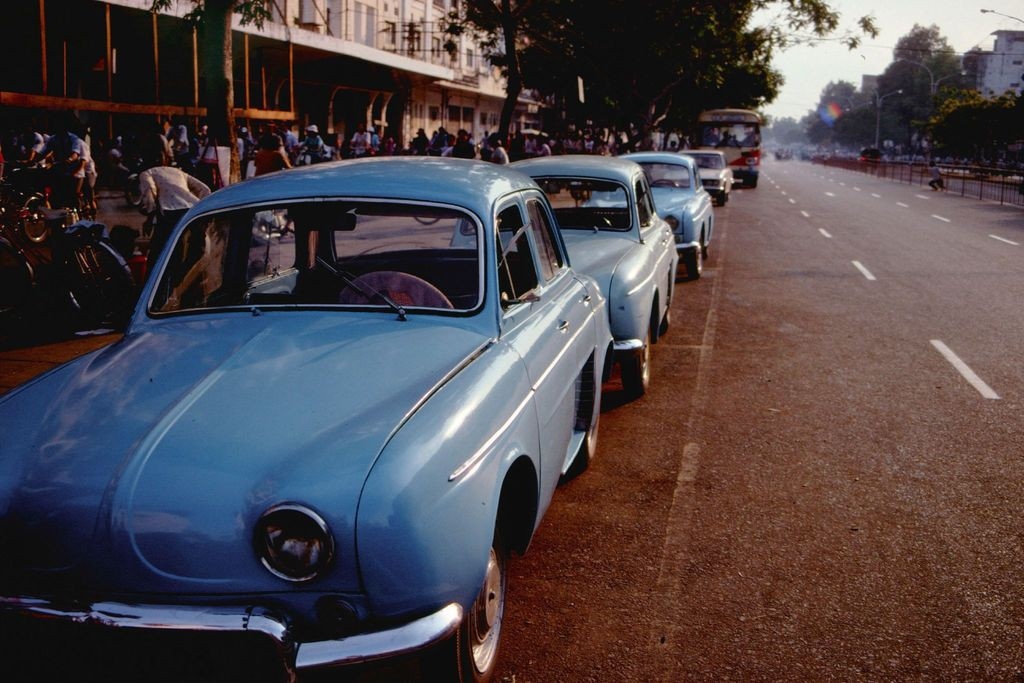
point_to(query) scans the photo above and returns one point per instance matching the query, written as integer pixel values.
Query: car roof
(660, 158)
(702, 152)
(475, 185)
(590, 166)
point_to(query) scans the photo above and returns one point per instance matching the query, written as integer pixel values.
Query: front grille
(42, 649)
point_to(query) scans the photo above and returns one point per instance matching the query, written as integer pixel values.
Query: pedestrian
(271, 155)
(498, 153)
(360, 141)
(167, 193)
(936, 183)
(420, 143)
(464, 147)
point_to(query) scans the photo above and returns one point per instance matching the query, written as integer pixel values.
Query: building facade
(1002, 69)
(335, 63)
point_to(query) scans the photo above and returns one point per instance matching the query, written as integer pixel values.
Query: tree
(663, 65)
(922, 61)
(213, 19)
(970, 125)
(498, 21)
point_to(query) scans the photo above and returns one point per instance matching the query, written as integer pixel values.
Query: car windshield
(588, 203)
(667, 175)
(708, 160)
(325, 253)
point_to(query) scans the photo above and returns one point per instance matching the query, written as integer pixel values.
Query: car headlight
(673, 222)
(293, 542)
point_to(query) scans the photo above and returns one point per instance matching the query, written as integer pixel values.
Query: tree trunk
(515, 76)
(217, 68)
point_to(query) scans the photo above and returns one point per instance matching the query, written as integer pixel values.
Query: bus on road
(737, 132)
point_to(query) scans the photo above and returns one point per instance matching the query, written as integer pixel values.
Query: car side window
(549, 259)
(644, 203)
(517, 273)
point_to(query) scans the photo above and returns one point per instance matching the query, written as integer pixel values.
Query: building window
(435, 113)
(470, 59)
(390, 32)
(365, 24)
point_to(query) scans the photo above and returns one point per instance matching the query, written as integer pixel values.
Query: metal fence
(990, 184)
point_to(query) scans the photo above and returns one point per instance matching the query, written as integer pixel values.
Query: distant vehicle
(715, 174)
(869, 154)
(683, 202)
(737, 133)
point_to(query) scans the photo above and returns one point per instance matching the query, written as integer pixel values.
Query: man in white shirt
(167, 193)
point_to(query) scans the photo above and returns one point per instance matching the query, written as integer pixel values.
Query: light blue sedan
(347, 394)
(605, 209)
(681, 200)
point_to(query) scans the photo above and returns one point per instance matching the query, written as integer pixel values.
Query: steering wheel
(402, 288)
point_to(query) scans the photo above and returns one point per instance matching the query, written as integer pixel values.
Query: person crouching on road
(167, 193)
(936, 183)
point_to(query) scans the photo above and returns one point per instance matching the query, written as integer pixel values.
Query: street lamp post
(878, 112)
(992, 11)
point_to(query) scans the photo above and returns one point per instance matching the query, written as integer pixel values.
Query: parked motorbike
(58, 273)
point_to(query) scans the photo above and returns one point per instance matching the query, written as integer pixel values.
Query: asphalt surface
(811, 489)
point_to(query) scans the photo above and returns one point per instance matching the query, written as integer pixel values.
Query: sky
(808, 69)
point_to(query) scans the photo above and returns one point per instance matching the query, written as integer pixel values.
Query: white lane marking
(830, 194)
(938, 217)
(856, 189)
(792, 201)
(962, 367)
(842, 183)
(1003, 239)
(905, 206)
(825, 232)
(783, 193)
(864, 271)
(876, 196)
(921, 196)
(805, 214)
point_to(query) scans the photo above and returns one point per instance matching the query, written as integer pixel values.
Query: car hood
(156, 455)
(597, 254)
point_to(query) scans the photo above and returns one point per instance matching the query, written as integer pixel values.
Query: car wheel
(694, 263)
(471, 655)
(720, 199)
(481, 627)
(636, 370)
(666, 322)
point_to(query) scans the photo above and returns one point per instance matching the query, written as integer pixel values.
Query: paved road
(823, 481)
(812, 489)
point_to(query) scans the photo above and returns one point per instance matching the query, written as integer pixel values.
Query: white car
(715, 174)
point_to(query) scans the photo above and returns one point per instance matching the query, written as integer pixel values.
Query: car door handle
(587, 299)
(563, 326)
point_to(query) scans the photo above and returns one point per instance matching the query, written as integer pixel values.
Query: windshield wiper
(365, 290)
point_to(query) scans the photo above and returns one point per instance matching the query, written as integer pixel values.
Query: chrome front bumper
(296, 657)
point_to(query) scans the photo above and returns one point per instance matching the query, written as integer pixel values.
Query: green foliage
(649, 63)
(971, 125)
(250, 11)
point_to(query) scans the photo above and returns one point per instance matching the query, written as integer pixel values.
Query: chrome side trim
(482, 451)
(364, 647)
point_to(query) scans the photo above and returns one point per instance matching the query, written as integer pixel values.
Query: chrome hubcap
(486, 617)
